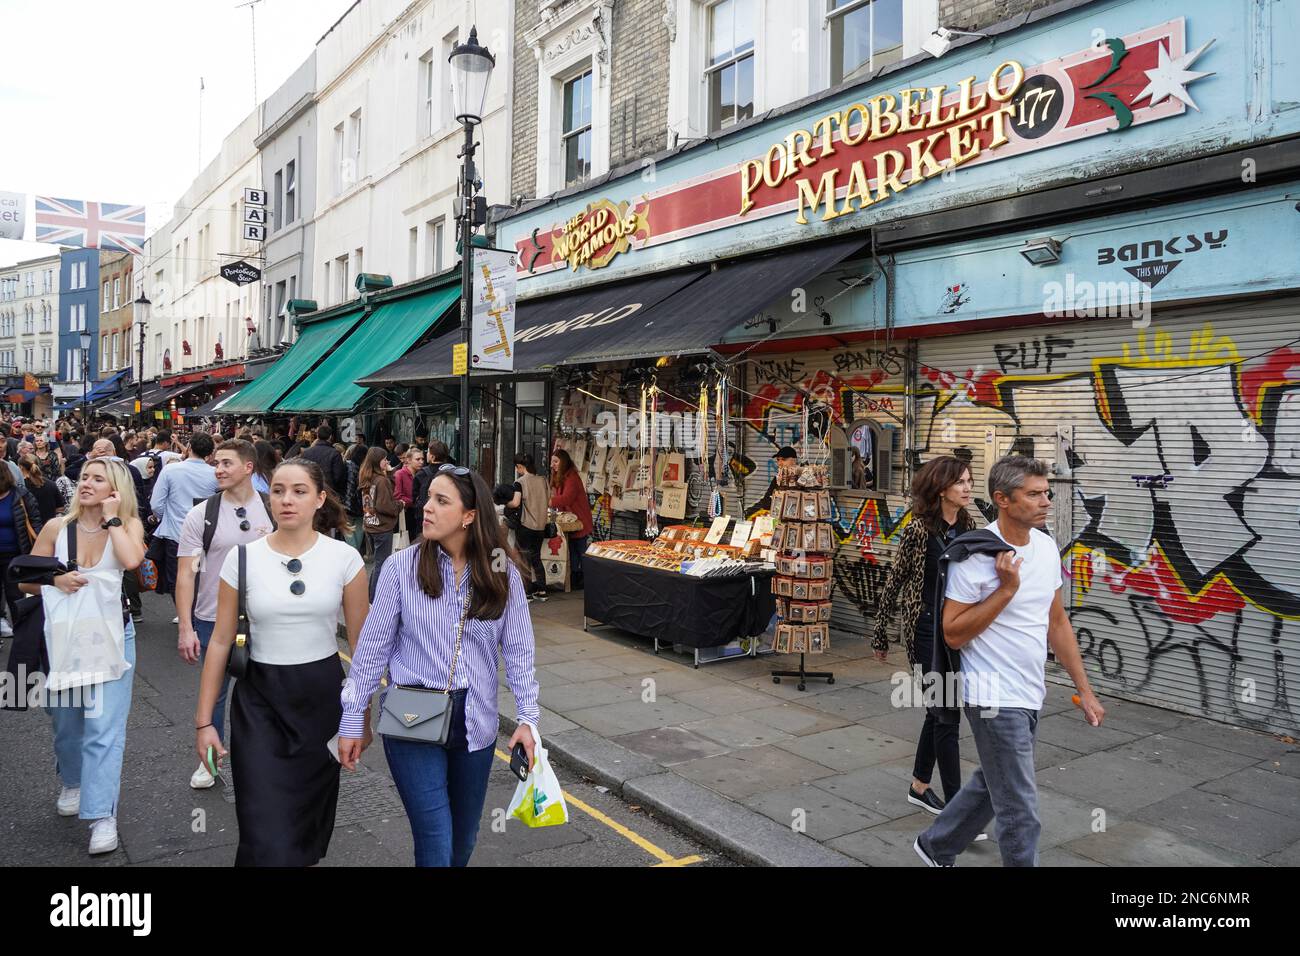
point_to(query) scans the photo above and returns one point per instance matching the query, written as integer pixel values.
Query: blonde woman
(90, 726)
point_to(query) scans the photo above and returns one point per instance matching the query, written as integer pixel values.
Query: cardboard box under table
(673, 608)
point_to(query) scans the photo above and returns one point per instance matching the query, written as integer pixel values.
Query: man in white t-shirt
(1002, 612)
(242, 518)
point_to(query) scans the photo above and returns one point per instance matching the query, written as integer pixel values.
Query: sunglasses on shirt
(242, 513)
(294, 566)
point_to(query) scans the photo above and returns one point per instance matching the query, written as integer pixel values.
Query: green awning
(383, 338)
(314, 340)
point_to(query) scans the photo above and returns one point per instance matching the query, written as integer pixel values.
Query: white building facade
(199, 318)
(388, 142)
(29, 317)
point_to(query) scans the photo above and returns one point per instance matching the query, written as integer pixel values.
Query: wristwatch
(113, 522)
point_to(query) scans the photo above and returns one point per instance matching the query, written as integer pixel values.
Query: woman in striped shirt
(411, 633)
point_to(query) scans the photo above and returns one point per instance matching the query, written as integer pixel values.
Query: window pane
(569, 90)
(577, 157)
(721, 93)
(721, 23)
(851, 45)
(887, 32)
(746, 24)
(745, 88)
(584, 116)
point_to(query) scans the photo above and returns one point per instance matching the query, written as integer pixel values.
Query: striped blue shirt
(413, 637)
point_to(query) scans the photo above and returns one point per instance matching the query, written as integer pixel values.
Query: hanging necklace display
(697, 485)
(651, 517)
(718, 465)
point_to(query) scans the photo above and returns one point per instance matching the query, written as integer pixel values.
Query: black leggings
(530, 543)
(938, 741)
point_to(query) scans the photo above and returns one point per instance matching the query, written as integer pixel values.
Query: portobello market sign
(865, 153)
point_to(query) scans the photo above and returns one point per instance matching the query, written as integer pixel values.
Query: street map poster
(493, 321)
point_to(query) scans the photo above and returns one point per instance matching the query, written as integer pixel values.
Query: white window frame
(355, 133)
(566, 46)
(444, 118)
(290, 191)
(708, 70)
(117, 292)
(340, 156)
(920, 19)
(688, 94)
(116, 350)
(566, 135)
(435, 236)
(427, 81)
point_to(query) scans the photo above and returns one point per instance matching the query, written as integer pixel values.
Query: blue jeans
(89, 738)
(203, 630)
(1003, 786)
(443, 790)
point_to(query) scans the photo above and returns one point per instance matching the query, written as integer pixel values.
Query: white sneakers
(202, 779)
(69, 804)
(103, 835)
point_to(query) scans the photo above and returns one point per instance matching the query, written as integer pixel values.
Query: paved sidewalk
(739, 761)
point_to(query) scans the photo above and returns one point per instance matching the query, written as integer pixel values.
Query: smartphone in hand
(519, 762)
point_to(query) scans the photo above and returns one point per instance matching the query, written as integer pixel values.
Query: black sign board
(241, 273)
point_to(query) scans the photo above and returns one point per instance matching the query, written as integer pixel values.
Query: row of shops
(1082, 251)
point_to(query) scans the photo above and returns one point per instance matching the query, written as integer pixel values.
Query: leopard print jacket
(902, 590)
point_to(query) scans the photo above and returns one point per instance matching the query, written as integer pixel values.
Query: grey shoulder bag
(420, 714)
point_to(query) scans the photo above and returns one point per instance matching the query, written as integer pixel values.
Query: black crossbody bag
(237, 662)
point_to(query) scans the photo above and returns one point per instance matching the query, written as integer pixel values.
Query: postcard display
(805, 560)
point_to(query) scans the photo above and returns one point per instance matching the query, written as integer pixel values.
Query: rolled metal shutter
(1177, 450)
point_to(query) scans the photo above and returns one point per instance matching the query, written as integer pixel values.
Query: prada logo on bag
(411, 718)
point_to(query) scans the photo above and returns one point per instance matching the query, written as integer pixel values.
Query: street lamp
(142, 308)
(471, 67)
(85, 374)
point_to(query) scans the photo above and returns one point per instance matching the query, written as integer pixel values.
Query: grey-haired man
(1002, 611)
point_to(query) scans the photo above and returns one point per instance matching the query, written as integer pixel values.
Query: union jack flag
(92, 225)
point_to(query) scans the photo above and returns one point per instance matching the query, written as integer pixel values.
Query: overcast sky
(100, 100)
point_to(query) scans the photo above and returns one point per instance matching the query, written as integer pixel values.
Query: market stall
(685, 589)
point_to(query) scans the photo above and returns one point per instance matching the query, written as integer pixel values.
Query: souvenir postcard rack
(805, 557)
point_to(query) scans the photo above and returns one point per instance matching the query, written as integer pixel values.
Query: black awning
(696, 317)
(124, 404)
(548, 331)
(211, 407)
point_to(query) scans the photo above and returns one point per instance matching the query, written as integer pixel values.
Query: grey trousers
(1002, 788)
(381, 546)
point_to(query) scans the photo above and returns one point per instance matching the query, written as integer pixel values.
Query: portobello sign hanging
(600, 233)
(862, 154)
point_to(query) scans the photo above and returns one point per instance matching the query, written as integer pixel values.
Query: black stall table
(675, 608)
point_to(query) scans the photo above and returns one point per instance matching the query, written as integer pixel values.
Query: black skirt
(286, 780)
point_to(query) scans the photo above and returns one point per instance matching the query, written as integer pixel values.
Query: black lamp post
(471, 67)
(85, 374)
(142, 308)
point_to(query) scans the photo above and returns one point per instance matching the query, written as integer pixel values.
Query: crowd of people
(257, 535)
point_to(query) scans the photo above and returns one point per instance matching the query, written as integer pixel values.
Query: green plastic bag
(539, 801)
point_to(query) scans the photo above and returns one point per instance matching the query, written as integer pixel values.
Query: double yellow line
(663, 856)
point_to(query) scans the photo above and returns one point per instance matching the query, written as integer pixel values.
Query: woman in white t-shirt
(286, 711)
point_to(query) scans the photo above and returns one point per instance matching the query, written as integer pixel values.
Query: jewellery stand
(803, 675)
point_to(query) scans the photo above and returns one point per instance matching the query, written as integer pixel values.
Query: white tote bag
(401, 536)
(84, 632)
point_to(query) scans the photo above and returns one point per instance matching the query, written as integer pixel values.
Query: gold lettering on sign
(594, 237)
(880, 119)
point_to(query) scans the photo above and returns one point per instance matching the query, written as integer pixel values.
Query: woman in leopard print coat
(941, 492)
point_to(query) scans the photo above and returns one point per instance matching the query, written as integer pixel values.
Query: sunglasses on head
(460, 471)
(294, 566)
